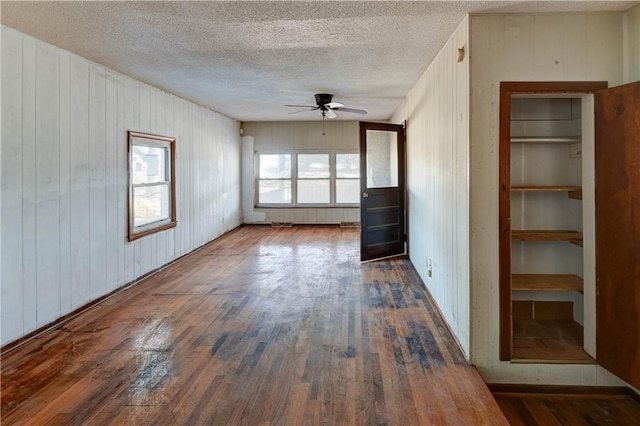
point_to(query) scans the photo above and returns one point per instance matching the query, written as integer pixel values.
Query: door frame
(402, 185)
(507, 89)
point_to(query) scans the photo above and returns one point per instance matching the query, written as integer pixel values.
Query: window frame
(294, 179)
(156, 141)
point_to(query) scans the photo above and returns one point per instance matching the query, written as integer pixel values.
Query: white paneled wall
(301, 136)
(64, 180)
(437, 113)
(523, 48)
(631, 43)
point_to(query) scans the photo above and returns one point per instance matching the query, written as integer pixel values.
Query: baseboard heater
(281, 224)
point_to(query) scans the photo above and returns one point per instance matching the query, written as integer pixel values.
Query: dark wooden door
(618, 230)
(382, 190)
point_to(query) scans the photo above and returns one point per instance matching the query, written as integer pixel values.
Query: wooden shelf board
(549, 139)
(541, 188)
(576, 195)
(574, 237)
(546, 282)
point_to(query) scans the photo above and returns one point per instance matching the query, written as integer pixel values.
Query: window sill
(137, 235)
(307, 206)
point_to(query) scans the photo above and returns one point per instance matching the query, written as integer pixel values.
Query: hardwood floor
(262, 326)
(551, 341)
(562, 405)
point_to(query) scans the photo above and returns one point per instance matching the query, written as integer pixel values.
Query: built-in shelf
(573, 237)
(546, 282)
(573, 191)
(544, 139)
(541, 188)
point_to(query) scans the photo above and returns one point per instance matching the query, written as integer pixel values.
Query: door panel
(618, 231)
(382, 184)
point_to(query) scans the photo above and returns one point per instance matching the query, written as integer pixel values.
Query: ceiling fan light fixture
(326, 107)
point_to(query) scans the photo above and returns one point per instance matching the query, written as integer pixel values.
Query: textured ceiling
(248, 59)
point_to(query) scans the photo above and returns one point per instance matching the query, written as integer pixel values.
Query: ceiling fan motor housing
(323, 98)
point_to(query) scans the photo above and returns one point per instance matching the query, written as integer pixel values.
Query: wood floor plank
(263, 326)
(561, 407)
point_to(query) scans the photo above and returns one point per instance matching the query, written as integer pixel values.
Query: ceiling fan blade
(353, 110)
(334, 105)
(330, 114)
(303, 110)
(303, 106)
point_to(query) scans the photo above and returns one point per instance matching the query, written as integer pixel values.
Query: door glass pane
(313, 191)
(313, 166)
(347, 191)
(275, 166)
(274, 192)
(382, 159)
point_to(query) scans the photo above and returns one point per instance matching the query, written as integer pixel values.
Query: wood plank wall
(64, 180)
(437, 114)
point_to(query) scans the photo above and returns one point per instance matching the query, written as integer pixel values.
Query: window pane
(274, 192)
(347, 191)
(313, 191)
(313, 166)
(148, 164)
(275, 166)
(347, 165)
(150, 204)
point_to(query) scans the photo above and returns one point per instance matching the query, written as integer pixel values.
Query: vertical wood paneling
(121, 184)
(79, 186)
(111, 143)
(29, 171)
(437, 111)
(97, 181)
(47, 184)
(65, 184)
(631, 44)
(11, 168)
(131, 122)
(64, 180)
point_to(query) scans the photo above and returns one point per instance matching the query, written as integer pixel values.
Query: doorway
(547, 242)
(382, 190)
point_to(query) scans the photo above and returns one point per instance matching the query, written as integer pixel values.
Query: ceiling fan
(326, 107)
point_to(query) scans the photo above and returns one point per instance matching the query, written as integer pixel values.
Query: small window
(151, 184)
(274, 179)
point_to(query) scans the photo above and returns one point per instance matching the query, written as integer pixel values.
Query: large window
(301, 179)
(151, 184)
